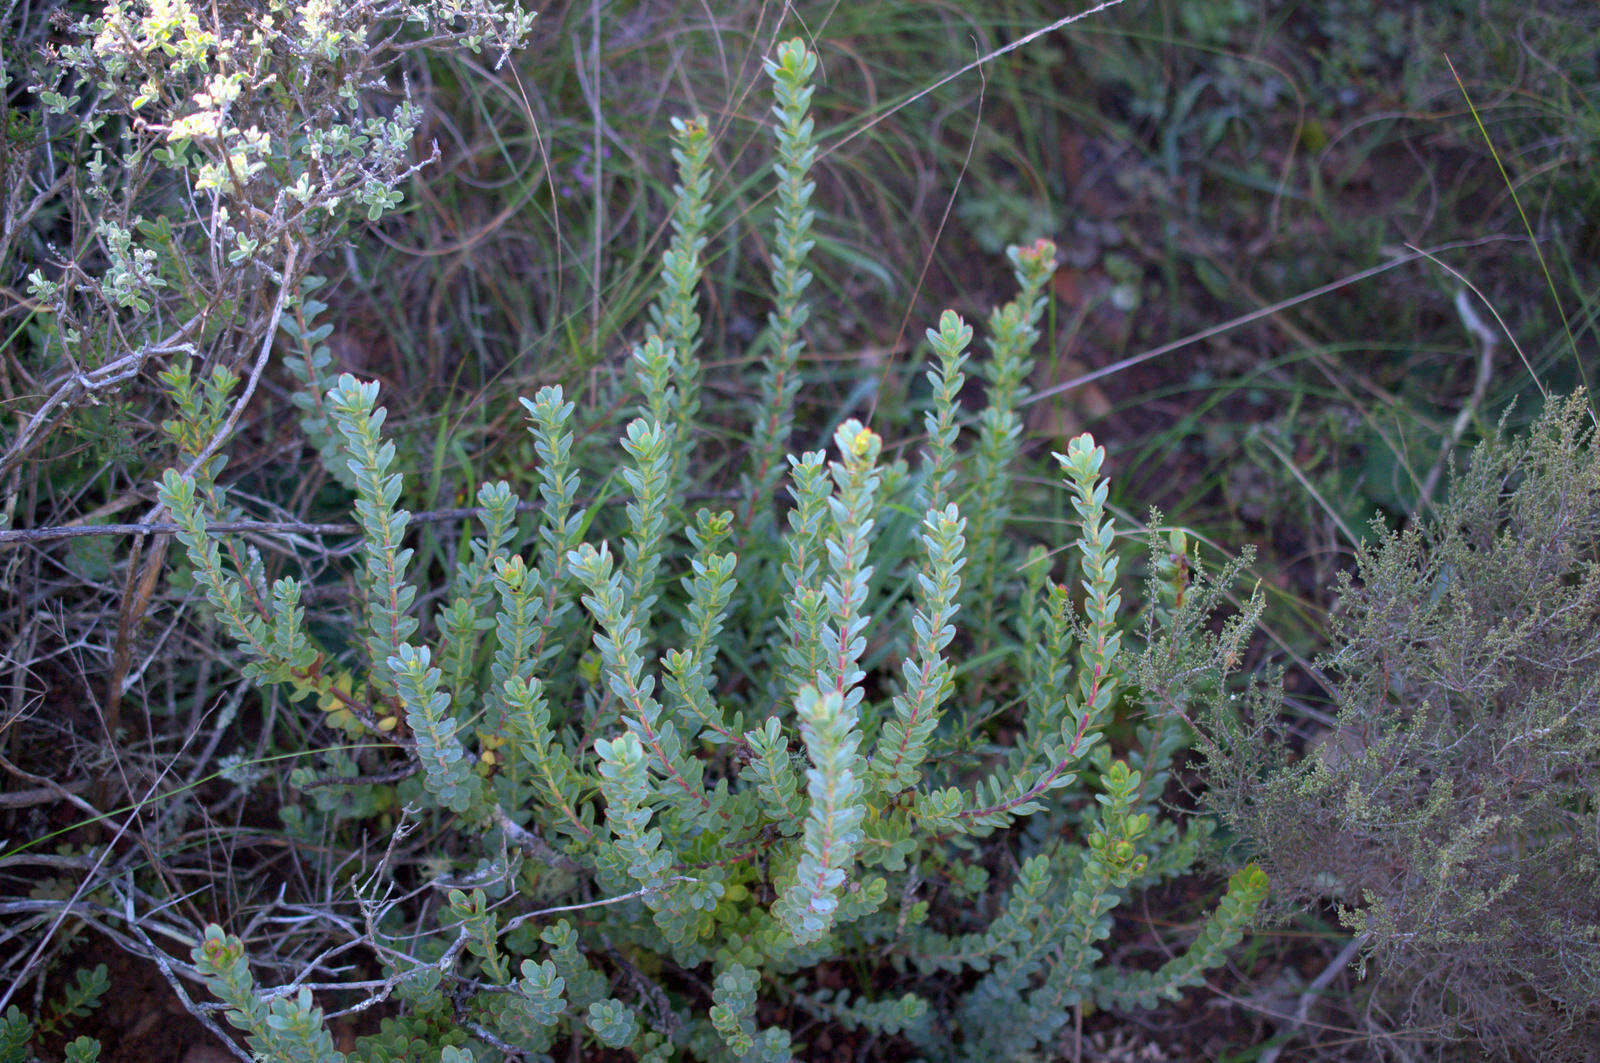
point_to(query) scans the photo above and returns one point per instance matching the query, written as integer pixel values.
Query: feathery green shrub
(1451, 814)
(691, 778)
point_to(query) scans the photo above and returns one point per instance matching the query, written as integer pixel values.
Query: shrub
(1451, 814)
(690, 780)
(197, 158)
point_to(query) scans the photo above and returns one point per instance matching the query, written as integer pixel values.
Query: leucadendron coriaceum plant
(693, 780)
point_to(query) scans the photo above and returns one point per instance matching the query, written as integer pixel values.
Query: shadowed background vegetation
(1309, 253)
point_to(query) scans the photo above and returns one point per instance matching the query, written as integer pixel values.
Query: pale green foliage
(674, 315)
(287, 1028)
(735, 753)
(1013, 330)
(733, 1014)
(75, 1000)
(16, 1033)
(312, 365)
(791, 74)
